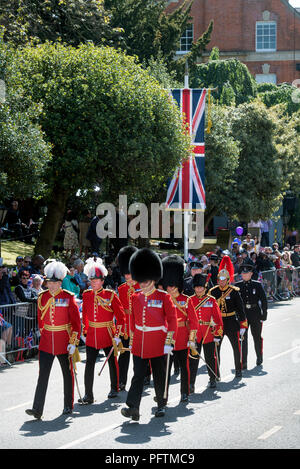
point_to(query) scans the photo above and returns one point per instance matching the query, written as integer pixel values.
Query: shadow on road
(34, 428)
(134, 433)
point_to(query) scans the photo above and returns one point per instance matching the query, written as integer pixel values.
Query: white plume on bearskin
(92, 264)
(56, 270)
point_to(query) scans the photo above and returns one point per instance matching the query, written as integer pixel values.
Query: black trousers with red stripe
(91, 357)
(182, 359)
(210, 358)
(46, 362)
(140, 365)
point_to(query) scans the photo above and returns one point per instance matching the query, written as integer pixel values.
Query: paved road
(260, 411)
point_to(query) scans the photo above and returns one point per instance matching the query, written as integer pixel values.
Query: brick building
(263, 34)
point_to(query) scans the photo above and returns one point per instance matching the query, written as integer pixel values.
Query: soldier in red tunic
(99, 309)
(126, 291)
(187, 324)
(153, 328)
(210, 330)
(60, 326)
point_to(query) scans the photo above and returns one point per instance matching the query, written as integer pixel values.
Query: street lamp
(3, 211)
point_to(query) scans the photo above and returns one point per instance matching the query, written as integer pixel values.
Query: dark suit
(256, 306)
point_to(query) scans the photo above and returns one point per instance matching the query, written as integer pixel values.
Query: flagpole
(186, 215)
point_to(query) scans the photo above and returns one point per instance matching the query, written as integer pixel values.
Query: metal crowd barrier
(19, 332)
(279, 284)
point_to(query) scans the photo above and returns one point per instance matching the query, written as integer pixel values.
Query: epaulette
(213, 288)
(124, 283)
(110, 290)
(210, 296)
(234, 288)
(67, 291)
(88, 289)
(44, 291)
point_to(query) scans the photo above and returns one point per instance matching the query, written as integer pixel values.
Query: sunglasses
(25, 276)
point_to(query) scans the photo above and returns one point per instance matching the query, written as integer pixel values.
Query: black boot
(112, 393)
(259, 361)
(131, 413)
(161, 411)
(67, 410)
(184, 398)
(86, 400)
(34, 413)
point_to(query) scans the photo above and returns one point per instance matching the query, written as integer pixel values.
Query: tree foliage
(69, 21)
(251, 160)
(108, 121)
(23, 150)
(233, 79)
(284, 94)
(148, 29)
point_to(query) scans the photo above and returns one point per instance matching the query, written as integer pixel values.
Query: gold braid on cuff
(169, 338)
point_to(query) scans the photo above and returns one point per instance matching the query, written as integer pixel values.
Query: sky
(295, 3)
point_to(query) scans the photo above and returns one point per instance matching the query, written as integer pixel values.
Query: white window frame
(265, 23)
(186, 37)
(266, 78)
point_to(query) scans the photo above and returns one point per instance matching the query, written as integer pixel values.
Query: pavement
(260, 411)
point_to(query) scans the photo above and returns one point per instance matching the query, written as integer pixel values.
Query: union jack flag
(1, 320)
(28, 340)
(186, 190)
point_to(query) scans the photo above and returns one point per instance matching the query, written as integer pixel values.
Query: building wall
(235, 33)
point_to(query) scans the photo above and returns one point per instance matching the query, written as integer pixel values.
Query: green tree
(271, 95)
(148, 29)
(233, 79)
(252, 158)
(70, 21)
(109, 122)
(260, 181)
(221, 161)
(23, 150)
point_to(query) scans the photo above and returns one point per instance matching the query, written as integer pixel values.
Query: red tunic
(125, 294)
(209, 317)
(153, 316)
(98, 312)
(58, 318)
(186, 320)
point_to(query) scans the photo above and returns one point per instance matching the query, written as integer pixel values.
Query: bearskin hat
(200, 280)
(145, 265)
(124, 257)
(173, 271)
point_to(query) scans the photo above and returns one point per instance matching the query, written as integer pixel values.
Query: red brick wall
(235, 25)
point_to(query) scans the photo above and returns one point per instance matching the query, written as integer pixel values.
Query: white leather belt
(149, 329)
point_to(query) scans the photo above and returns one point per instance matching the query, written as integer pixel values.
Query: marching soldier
(60, 326)
(256, 309)
(209, 333)
(99, 308)
(187, 324)
(126, 291)
(153, 328)
(232, 310)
